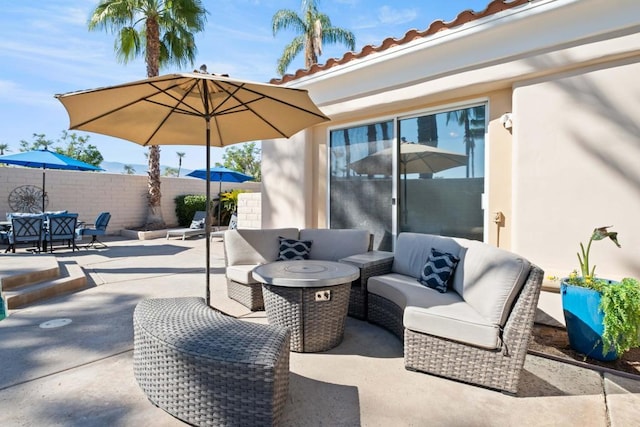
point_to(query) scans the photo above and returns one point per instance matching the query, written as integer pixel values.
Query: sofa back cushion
(334, 244)
(487, 278)
(413, 250)
(255, 246)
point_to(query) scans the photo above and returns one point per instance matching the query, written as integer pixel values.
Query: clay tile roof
(463, 17)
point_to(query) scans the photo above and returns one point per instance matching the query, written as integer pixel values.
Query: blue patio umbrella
(220, 174)
(46, 159)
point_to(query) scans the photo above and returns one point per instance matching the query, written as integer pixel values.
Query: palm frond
(333, 35)
(290, 52)
(286, 19)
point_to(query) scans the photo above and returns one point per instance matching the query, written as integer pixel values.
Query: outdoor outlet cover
(323, 296)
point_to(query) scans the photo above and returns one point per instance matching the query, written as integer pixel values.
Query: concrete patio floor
(81, 374)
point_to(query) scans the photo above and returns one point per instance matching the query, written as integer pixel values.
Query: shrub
(187, 205)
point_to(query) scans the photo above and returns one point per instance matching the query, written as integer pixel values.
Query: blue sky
(45, 49)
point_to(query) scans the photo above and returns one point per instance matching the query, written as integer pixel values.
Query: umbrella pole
(44, 189)
(207, 221)
(219, 204)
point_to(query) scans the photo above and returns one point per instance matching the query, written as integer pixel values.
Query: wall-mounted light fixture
(507, 120)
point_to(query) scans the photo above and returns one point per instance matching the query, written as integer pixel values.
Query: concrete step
(71, 278)
(24, 270)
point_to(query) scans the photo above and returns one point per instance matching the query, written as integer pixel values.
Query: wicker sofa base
(357, 302)
(497, 369)
(248, 295)
(385, 313)
(209, 369)
(358, 305)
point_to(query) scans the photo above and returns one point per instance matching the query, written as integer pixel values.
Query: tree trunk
(155, 220)
(427, 134)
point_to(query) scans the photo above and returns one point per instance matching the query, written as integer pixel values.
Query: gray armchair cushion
(489, 279)
(249, 246)
(335, 244)
(428, 311)
(413, 250)
(486, 277)
(241, 273)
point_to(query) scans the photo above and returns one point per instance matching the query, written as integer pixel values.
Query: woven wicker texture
(385, 313)
(209, 369)
(248, 295)
(359, 294)
(314, 325)
(497, 369)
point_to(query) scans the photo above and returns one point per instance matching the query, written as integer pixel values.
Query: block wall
(89, 193)
(250, 210)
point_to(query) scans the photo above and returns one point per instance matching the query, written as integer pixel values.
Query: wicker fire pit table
(310, 297)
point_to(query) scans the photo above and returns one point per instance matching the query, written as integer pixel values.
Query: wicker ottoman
(207, 368)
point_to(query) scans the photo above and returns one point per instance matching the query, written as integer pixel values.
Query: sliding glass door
(431, 164)
(360, 192)
(441, 173)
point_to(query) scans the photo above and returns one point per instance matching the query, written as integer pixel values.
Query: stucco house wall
(566, 70)
(577, 155)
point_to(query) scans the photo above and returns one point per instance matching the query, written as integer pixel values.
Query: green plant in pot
(602, 316)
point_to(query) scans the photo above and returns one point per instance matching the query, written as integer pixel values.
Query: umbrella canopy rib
(170, 110)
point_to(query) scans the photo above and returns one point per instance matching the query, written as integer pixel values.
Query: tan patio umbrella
(414, 158)
(192, 109)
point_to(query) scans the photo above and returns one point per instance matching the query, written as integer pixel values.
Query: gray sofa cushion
(428, 311)
(248, 246)
(335, 244)
(241, 273)
(413, 249)
(489, 279)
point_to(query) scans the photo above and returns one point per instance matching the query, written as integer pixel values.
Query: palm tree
(180, 156)
(3, 148)
(162, 30)
(473, 121)
(129, 170)
(313, 29)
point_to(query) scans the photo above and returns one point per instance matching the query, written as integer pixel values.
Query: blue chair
(98, 229)
(61, 227)
(26, 229)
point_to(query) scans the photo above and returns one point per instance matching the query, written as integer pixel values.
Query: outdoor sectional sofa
(247, 248)
(478, 330)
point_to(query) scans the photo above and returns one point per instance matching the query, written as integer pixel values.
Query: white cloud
(13, 93)
(391, 16)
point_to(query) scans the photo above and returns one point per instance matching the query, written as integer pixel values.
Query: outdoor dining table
(310, 297)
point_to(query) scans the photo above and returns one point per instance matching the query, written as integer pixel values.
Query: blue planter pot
(584, 321)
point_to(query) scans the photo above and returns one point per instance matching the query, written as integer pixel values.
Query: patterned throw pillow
(438, 270)
(197, 224)
(291, 249)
